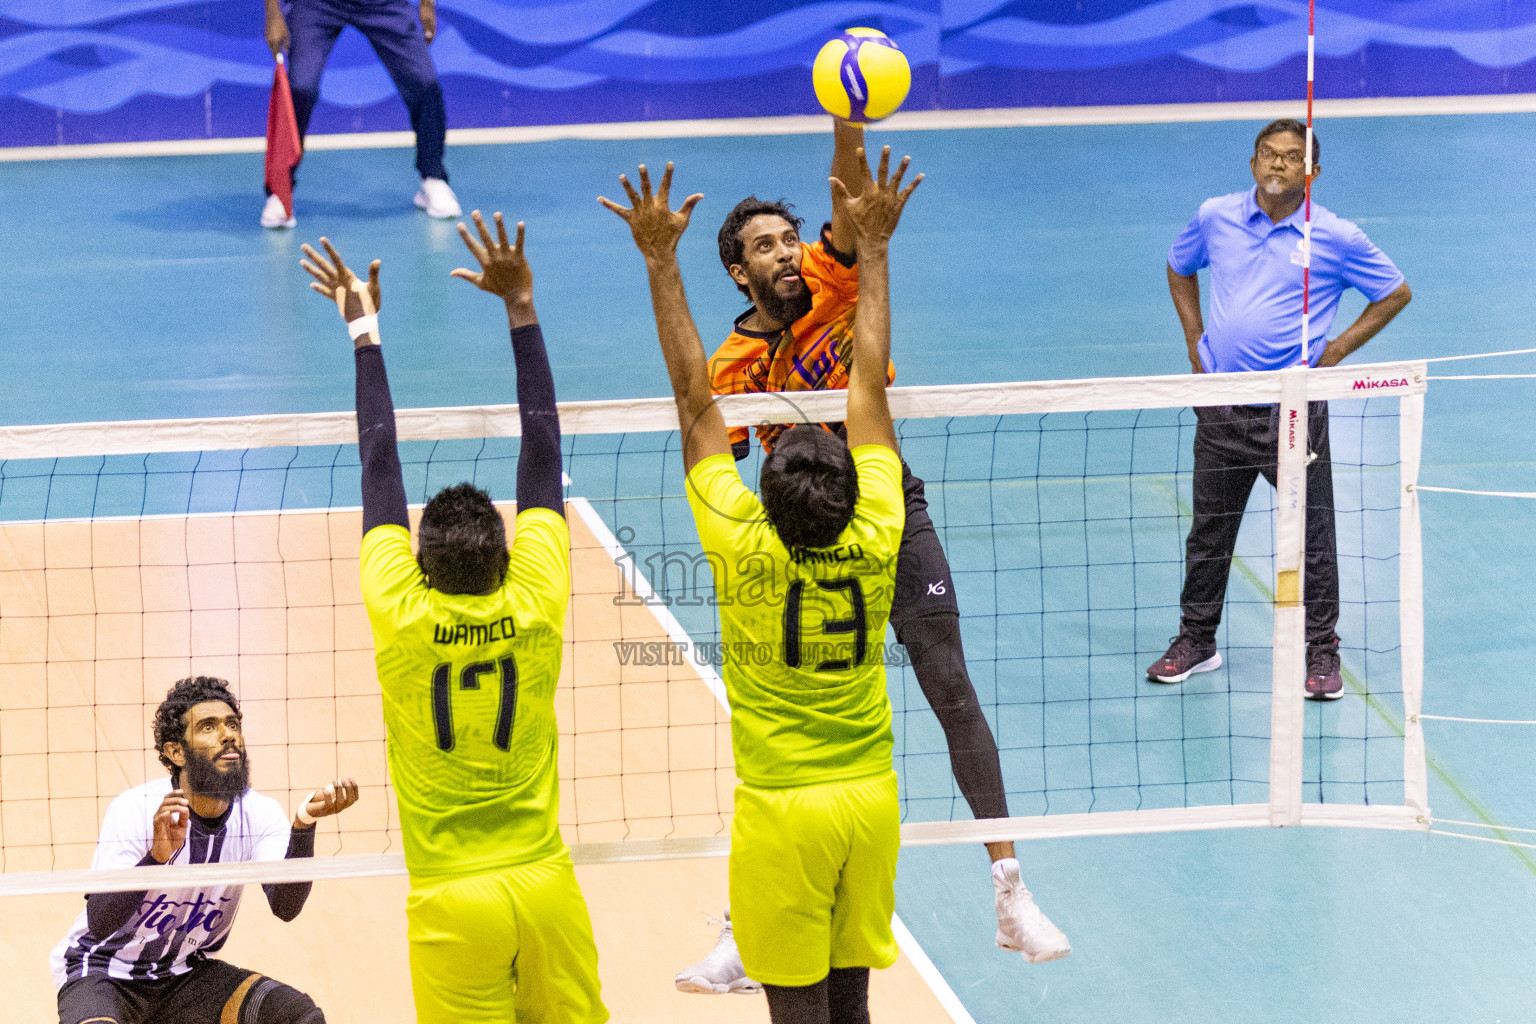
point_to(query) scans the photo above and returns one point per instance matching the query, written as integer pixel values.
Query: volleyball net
(133, 554)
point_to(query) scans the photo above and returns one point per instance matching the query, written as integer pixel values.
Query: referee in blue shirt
(1252, 243)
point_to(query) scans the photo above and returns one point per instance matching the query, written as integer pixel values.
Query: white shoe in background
(274, 215)
(1021, 927)
(438, 199)
(719, 972)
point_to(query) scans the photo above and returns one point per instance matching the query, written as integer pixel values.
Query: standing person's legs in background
(313, 26)
(1233, 445)
(1231, 451)
(1320, 584)
(1325, 679)
(394, 32)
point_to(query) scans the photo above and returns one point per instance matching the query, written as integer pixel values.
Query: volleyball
(861, 75)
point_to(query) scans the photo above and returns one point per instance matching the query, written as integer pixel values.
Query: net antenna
(1306, 221)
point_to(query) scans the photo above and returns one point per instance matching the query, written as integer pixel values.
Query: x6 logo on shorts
(937, 588)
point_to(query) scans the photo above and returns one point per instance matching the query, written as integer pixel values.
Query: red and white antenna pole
(1306, 223)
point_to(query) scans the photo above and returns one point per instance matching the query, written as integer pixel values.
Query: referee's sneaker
(1252, 243)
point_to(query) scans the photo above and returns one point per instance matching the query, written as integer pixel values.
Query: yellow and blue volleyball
(861, 75)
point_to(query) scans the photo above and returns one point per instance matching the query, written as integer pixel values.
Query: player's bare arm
(277, 28)
(1185, 289)
(1367, 325)
(336, 281)
(873, 215)
(657, 228)
(504, 270)
(847, 144)
(428, 12)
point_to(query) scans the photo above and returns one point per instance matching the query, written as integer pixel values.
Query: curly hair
(732, 249)
(171, 716)
(462, 541)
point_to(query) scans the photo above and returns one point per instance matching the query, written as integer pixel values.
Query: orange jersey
(811, 354)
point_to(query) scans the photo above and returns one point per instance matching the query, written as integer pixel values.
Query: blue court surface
(142, 288)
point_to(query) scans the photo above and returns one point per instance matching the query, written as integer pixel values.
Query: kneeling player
(144, 957)
(468, 639)
(816, 827)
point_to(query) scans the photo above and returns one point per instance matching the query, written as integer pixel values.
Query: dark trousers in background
(1234, 445)
(392, 29)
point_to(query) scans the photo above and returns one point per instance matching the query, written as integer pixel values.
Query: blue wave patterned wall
(107, 70)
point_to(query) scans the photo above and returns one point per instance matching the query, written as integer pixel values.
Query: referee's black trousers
(1234, 445)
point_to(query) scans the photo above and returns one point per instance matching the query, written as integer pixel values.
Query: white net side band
(231, 433)
(1058, 826)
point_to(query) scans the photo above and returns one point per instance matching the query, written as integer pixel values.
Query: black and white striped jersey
(170, 925)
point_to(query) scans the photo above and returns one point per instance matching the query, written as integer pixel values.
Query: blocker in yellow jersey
(813, 708)
(468, 642)
(469, 689)
(804, 580)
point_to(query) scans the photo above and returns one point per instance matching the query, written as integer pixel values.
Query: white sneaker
(273, 215)
(1021, 927)
(438, 199)
(719, 972)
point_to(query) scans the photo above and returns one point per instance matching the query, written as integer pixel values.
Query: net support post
(1410, 581)
(1287, 712)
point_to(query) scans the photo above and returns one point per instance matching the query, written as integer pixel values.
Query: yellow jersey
(803, 632)
(469, 700)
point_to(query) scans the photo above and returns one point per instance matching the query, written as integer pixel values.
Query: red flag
(283, 148)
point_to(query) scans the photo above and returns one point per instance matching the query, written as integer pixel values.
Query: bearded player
(816, 826)
(145, 957)
(797, 337)
(468, 640)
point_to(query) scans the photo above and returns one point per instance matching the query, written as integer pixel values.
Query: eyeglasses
(1292, 158)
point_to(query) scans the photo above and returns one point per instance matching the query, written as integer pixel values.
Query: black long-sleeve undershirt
(383, 486)
(538, 465)
(106, 912)
(538, 469)
(287, 898)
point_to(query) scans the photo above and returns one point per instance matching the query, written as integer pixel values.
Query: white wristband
(364, 325)
(302, 815)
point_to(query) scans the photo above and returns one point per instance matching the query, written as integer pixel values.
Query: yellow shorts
(813, 878)
(508, 945)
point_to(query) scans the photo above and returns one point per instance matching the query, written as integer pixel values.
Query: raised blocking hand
(335, 280)
(504, 270)
(875, 211)
(655, 225)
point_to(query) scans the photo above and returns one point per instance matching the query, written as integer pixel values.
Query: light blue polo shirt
(1255, 307)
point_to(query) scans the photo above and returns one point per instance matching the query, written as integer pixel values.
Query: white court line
(815, 124)
(1487, 494)
(1482, 721)
(674, 629)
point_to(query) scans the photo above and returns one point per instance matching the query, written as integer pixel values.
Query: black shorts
(923, 583)
(201, 996)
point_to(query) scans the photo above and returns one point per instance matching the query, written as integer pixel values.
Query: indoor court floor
(142, 288)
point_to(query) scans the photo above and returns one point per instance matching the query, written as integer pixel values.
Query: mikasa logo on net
(1369, 384)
